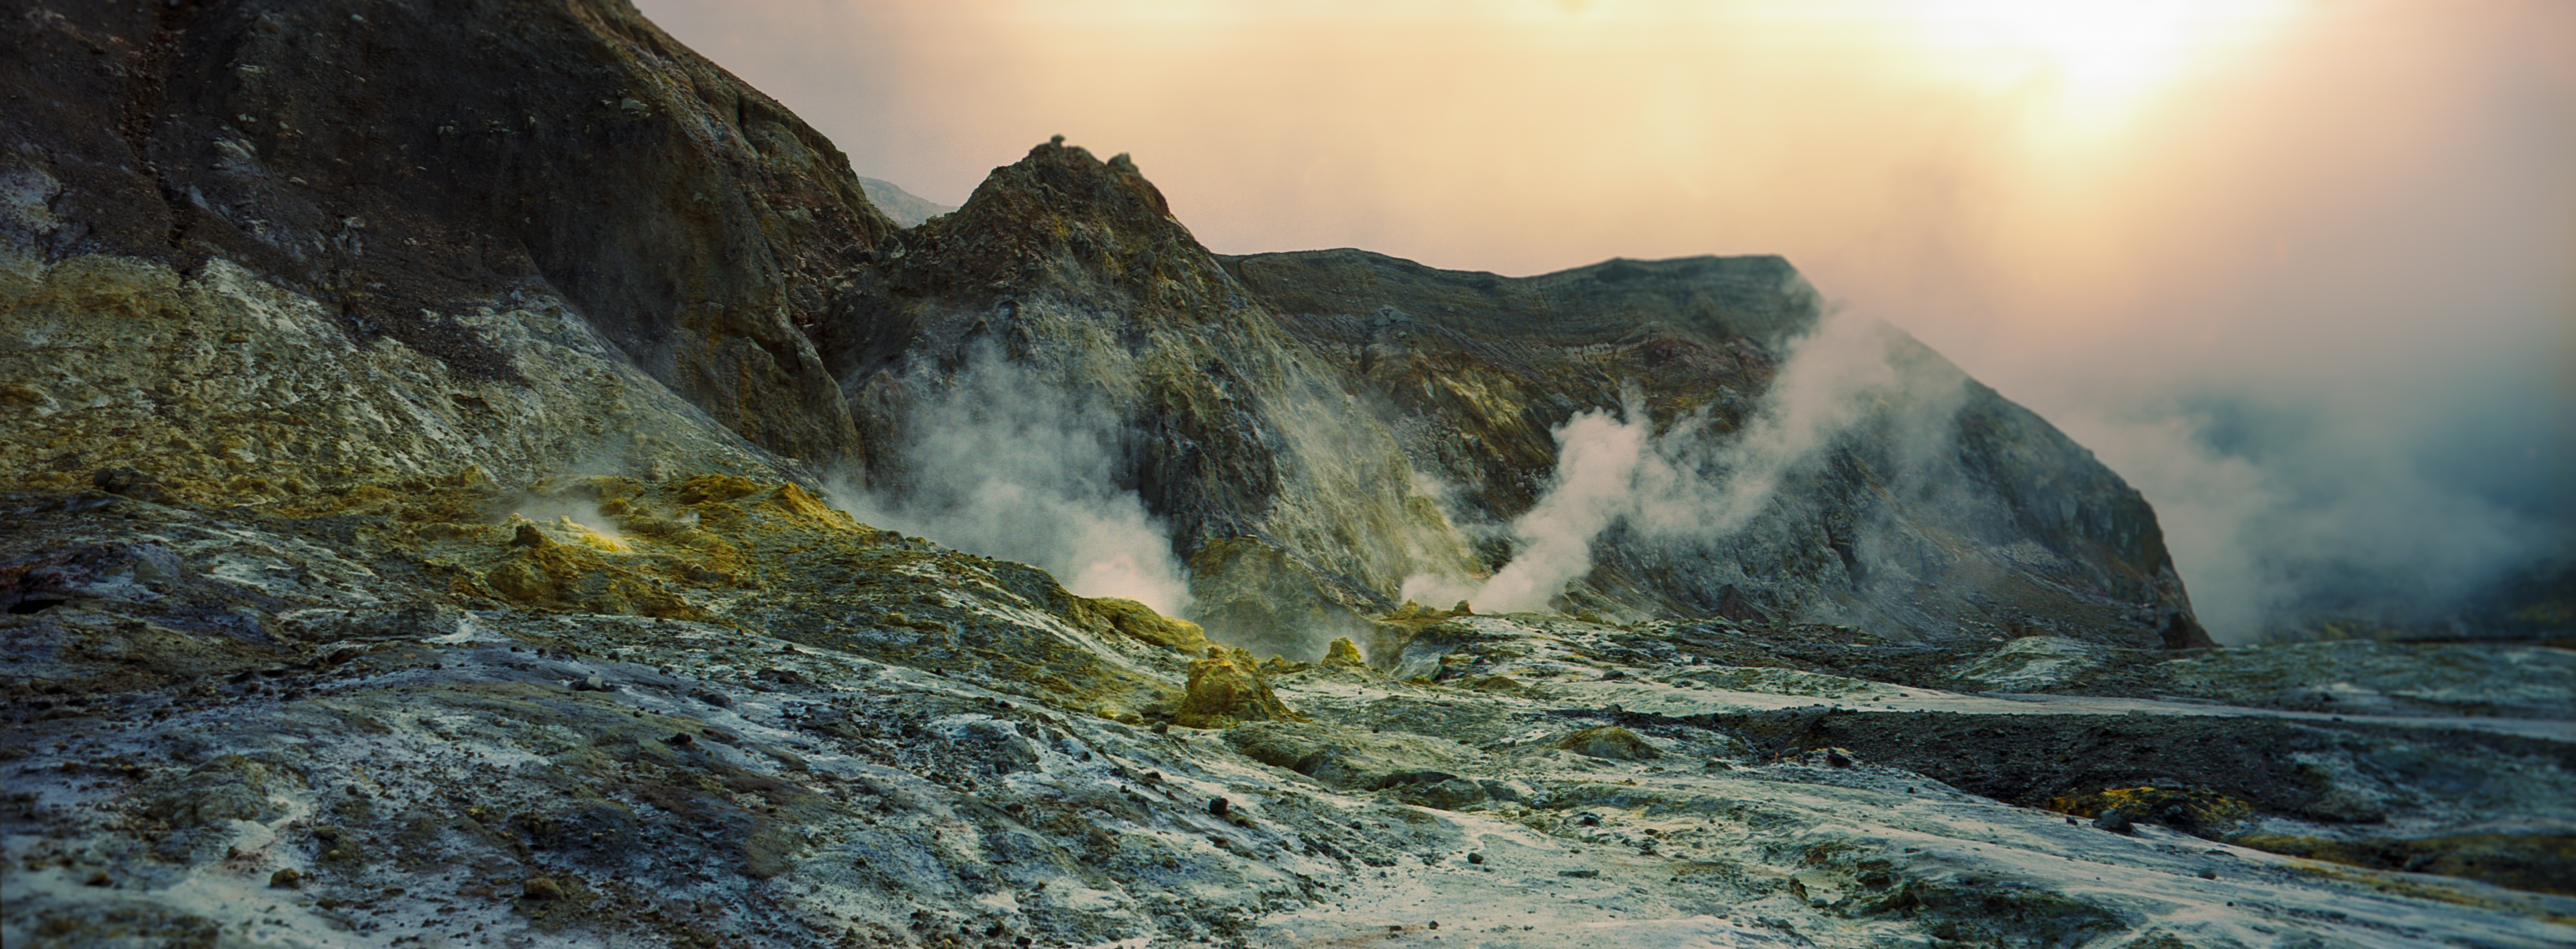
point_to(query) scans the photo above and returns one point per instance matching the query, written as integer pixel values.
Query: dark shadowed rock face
(406, 162)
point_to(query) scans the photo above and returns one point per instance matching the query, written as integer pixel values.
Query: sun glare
(2098, 61)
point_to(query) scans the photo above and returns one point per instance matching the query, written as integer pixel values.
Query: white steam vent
(1683, 485)
(1006, 463)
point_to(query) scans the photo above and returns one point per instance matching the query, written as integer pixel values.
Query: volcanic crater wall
(550, 238)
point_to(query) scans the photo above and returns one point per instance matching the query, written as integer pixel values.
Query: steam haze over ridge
(2300, 272)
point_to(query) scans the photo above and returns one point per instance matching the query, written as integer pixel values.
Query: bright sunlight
(2100, 60)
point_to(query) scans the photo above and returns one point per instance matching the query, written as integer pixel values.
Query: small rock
(542, 888)
(681, 740)
(1609, 742)
(99, 878)
(2114, 821)
(287, 879)
(1217, 806)
(2208, 874)
(1475, 858)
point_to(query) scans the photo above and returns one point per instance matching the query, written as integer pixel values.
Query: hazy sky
(2302, 271)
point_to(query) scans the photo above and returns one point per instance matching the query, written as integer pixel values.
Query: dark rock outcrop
(408, 162)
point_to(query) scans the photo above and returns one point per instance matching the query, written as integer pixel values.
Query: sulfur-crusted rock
(1226, 688)
(2196, 811)
(1139, 622)
(1344, 654)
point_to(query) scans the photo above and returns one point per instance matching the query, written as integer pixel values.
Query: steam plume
(1005, 463)
(1692, 484)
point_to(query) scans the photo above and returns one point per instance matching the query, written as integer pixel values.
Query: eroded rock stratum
(429, 441)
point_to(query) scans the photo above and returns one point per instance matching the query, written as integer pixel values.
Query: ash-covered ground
(727, 715)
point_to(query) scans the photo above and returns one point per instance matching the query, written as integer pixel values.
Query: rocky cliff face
(417, 424)
(405, 165)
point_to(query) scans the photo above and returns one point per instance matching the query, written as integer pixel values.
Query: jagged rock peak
(1060, 220)
(1070, 180)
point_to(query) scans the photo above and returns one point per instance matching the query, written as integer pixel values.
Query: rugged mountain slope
(406, 171)
(1884, 527)
(412, 537)
(407, 164)
(1285, 410)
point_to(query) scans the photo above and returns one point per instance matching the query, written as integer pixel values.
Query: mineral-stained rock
(1140, 622)
(2194, 811)
(1611, 742)
(1226, 688)
(1350, 759)
(405, 167)
(1344, 654)
(231, 787)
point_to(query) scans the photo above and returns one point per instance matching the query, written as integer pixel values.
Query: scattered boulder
(230, 787)
(1226, 689)
(1448, 793)
(1344, 654)
(2195, 811)
(1609, 742)
(1352, 760)
(1139, 622)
